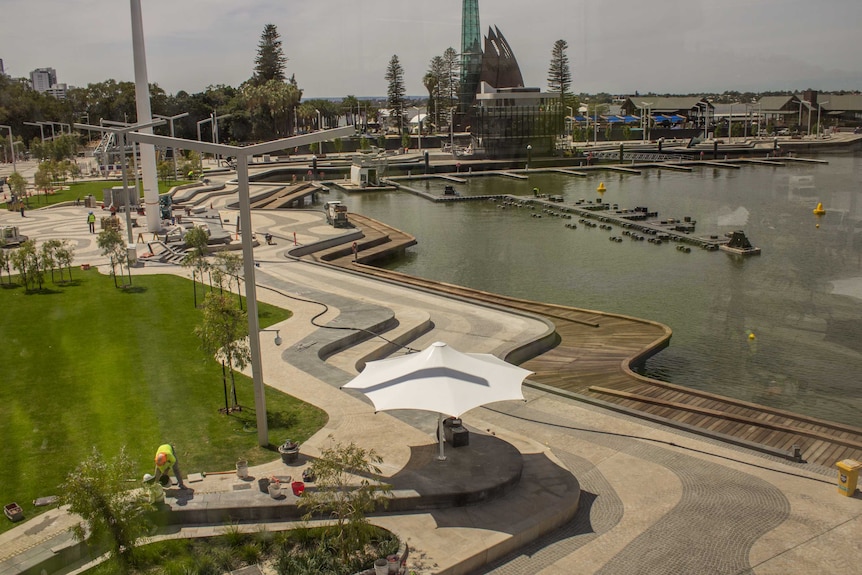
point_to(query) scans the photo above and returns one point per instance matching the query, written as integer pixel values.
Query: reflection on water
(767, 329)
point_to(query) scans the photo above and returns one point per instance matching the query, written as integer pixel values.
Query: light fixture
(277, 339)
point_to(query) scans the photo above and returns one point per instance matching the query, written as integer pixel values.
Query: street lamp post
(569, 120)
(242, 155)
(39, 125)
(419, 125)
(171, 119)
(11, 147)
(819, 126)
(216, 118)
(730, 126)
(529, 155)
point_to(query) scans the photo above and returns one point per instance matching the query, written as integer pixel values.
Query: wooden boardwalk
(593, 357)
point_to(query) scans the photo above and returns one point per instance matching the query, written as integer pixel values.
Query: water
(806, 353)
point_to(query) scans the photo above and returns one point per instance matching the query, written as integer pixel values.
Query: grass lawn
(86, 364)
(94, 187)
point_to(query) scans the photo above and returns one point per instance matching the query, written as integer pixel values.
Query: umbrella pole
(440, 456)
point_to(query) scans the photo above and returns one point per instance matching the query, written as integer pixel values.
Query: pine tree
(270, 61)
(396, 91)
(559, 75)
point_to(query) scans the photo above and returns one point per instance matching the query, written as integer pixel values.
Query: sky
(340, 47)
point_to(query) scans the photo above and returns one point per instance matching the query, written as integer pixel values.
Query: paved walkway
(652, 500)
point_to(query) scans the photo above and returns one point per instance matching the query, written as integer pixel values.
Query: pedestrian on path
(166, 459)
(91, 221)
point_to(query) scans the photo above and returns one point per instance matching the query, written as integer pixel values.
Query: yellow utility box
(848, 475)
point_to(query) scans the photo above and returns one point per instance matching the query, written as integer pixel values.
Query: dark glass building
(502, 115)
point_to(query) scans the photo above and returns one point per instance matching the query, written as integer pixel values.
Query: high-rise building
(2, 71)
(42, 79)
(471, 55)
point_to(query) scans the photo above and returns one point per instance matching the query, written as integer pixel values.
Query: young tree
(559, 75)
(345, 493)
(111, 242)
(396, 90)
(27, 261)
(223, 333)
(49, 255)
(112, 516)
(229, 268)
(18, 184)
(65, 254)
(270, 61)
(197, 239)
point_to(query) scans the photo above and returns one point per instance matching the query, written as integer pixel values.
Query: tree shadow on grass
(43, 291)
(134, 289)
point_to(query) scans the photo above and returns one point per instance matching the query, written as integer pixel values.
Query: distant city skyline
(335, 48)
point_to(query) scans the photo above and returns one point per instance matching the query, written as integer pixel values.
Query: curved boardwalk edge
(594, 355)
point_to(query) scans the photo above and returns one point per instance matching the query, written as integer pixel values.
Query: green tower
(471, 57)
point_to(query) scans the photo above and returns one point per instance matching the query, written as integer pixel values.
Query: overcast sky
(341, 47)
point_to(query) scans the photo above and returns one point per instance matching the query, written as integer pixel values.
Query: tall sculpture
(471, 56)
(499, 67)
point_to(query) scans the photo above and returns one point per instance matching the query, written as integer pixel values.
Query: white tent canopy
(439, 379)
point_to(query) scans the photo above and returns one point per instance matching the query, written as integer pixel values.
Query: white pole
(11, 146)
(251, 298)
(142, 101)
(440, 456)
(730, 126)
(126, 198)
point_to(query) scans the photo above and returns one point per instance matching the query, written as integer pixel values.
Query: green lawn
(86, 364)
(94, 187)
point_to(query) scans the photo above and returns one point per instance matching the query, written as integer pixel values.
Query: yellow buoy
(751, 336)
(819, 211)
(601, 189)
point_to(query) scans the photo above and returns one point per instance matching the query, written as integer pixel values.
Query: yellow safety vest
(171, 458)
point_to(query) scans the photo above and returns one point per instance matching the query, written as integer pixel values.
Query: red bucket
(298, 487)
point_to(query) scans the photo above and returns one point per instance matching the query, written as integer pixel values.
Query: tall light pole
(39, 125)
(215, 132)
(419, 124)
(171, 119)
(452, 129)
(819, 126)
(570, 119)
(11, 146)
(587, 122)
(204, 121)
(243, 154)
(730, 126)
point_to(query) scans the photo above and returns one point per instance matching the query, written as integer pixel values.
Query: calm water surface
(806, 355)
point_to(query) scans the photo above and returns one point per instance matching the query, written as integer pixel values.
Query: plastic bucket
(298, 488)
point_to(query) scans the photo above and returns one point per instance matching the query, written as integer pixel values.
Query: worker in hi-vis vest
(166, 459)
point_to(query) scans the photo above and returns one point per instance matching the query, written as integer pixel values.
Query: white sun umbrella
(439, 379)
